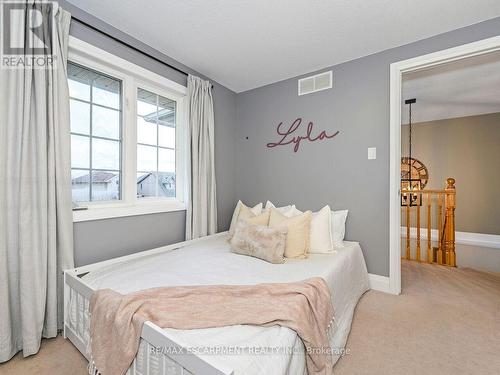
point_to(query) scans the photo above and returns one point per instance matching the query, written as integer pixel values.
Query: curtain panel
(36, 226)
(201, 215)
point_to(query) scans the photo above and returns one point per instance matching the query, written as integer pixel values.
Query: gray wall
(104, 239)
(467, 149)
(335, 171)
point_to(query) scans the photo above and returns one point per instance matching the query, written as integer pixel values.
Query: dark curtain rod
(128, 45)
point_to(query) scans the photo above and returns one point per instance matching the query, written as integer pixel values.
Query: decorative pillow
(259, 241)
(297, 239)
(282, 210)
(262, 219)
(292, 211)
(338, 227)
(245, 211)
(321, 230)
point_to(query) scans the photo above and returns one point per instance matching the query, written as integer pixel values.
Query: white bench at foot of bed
(153, 356)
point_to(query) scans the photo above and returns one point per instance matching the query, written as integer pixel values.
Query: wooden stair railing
(444, 202)
(449, 236)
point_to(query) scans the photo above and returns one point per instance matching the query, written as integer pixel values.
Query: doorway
(396, 75)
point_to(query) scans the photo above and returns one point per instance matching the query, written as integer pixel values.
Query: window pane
(146, 131)
(166, 160)
(105, 186)
(166, 136)
(146, 185)
(98, 115)
(79, 82)
(80, 185)
(146, 158)
(105, 154)
(79, 117)
(156, 184)
(166, 185)
(105, 122)
(106, 91)
(146, 103)
(80, 152)
(166, 111)
(160, 161)
(79, 90)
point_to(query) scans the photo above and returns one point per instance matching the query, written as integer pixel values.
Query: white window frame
(134, 77)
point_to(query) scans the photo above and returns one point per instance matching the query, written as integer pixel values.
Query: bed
(241, 349)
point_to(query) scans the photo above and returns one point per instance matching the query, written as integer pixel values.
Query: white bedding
(210, 262)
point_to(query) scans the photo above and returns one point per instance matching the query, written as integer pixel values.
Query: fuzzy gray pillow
(259, 241)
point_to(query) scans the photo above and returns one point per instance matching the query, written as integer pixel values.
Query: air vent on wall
(318, 82)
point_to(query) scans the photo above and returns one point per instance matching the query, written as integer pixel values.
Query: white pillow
(256, 210)
(338, 227)
(292, 211)
(320, 234)
(281, 210)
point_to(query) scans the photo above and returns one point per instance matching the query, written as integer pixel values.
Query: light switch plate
(372, 153)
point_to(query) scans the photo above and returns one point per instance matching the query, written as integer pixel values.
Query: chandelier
(410, 181)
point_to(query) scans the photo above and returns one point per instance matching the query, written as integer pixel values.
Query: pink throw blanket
(116, 320)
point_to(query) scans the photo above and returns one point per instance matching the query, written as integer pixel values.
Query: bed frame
(147, 361)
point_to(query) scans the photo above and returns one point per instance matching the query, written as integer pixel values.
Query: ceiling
(250, 43)
(463, 88)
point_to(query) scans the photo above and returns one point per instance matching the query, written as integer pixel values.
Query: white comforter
(210, 262)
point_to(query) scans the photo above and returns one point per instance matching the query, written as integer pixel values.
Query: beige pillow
(246, 213)
(259, 241)
(297, 239)
(262, 219)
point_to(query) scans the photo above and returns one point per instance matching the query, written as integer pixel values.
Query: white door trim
(397, 70)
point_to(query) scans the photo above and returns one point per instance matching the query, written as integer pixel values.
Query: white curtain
(36, 228)
(201, 216)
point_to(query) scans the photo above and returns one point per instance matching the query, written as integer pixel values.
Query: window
(156, 116)
(95, 119)
(127, 138)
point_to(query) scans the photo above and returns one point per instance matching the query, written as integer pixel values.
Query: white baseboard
(465, 238)
(380, 283)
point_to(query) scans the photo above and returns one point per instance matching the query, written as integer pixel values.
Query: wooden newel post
(449, 233)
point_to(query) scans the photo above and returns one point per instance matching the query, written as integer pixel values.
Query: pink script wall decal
(287, 137)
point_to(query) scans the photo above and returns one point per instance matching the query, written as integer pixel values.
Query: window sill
(122, 210)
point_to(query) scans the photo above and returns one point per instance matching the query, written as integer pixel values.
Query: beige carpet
(447, 321)
(56, 357)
